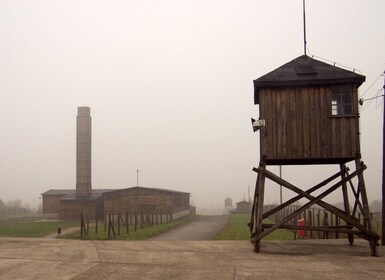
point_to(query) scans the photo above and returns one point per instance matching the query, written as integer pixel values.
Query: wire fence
(118, 224)
(10, 212)
(320, 218)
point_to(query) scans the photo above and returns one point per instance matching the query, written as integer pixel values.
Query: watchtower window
(342, 104)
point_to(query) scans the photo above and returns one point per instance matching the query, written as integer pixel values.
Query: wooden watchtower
(309, 116)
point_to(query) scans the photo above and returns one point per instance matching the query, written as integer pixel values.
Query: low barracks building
(64, 204)
(137, 199)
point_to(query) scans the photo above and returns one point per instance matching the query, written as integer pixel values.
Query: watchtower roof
(305, 71)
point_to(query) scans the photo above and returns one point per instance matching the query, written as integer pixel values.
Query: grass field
(31, 226)
(140, 234)
(237, 229)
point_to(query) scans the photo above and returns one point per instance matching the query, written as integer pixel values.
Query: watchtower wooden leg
(346, 199)
(373, 242)
(260, 190)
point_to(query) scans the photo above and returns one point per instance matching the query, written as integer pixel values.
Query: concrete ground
(42, 258)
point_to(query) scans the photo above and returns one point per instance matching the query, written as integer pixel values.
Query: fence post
(319, 222)
(105, 222)
(119, 217)
(88, 226)
(109, 226)
(127, 230)
(136, 220)
(311, 223)
(156, 216)
(81, 224)
(326, 223)
(337, 224)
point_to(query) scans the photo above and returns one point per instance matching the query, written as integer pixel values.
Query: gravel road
(202, 228)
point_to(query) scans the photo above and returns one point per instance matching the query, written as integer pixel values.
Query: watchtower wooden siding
(299, 127)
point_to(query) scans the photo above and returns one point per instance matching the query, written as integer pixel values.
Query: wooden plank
(259, 209)
(299, 121)
(274, 126)
(268, 131)
(346, 197)
(355, 137)
(324, 124)
(263, 108)
(361, 186)
(278, 127)
(306, 123)
(344, 139)
(284, 121)
(313, 120)
(334, 140)
(314, 228)
(317, 124)
(270, 141)
(339, 132)
(293, 134)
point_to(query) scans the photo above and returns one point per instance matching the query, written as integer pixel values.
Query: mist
(170, 87)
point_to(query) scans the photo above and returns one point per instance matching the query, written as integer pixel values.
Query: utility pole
(304, 27)
(383, 172)
(280, 186)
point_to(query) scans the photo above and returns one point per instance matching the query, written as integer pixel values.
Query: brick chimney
(83, 152)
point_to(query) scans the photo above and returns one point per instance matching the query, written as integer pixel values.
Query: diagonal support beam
(302, 193)
(356, 196)
(298, 197)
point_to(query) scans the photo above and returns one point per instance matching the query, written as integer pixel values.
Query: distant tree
(14, 203)
(2, 204)
(40, 208)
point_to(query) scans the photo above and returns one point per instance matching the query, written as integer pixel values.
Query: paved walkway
(41, 258)
(202, 228)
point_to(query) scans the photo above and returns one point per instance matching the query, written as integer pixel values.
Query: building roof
(58, 192)
(152, 189)
(71, 194)
(96, 193)
(305, 71)
(243, 202)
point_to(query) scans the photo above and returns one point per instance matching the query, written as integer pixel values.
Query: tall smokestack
(83, 152)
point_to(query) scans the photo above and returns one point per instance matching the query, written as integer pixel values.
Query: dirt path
(202, 228)
(63, 231)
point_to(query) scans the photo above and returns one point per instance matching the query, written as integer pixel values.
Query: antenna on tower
(304, 27)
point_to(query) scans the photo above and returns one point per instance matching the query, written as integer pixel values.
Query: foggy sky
(170, 86)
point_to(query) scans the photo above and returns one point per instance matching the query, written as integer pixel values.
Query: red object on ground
(301, 233)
